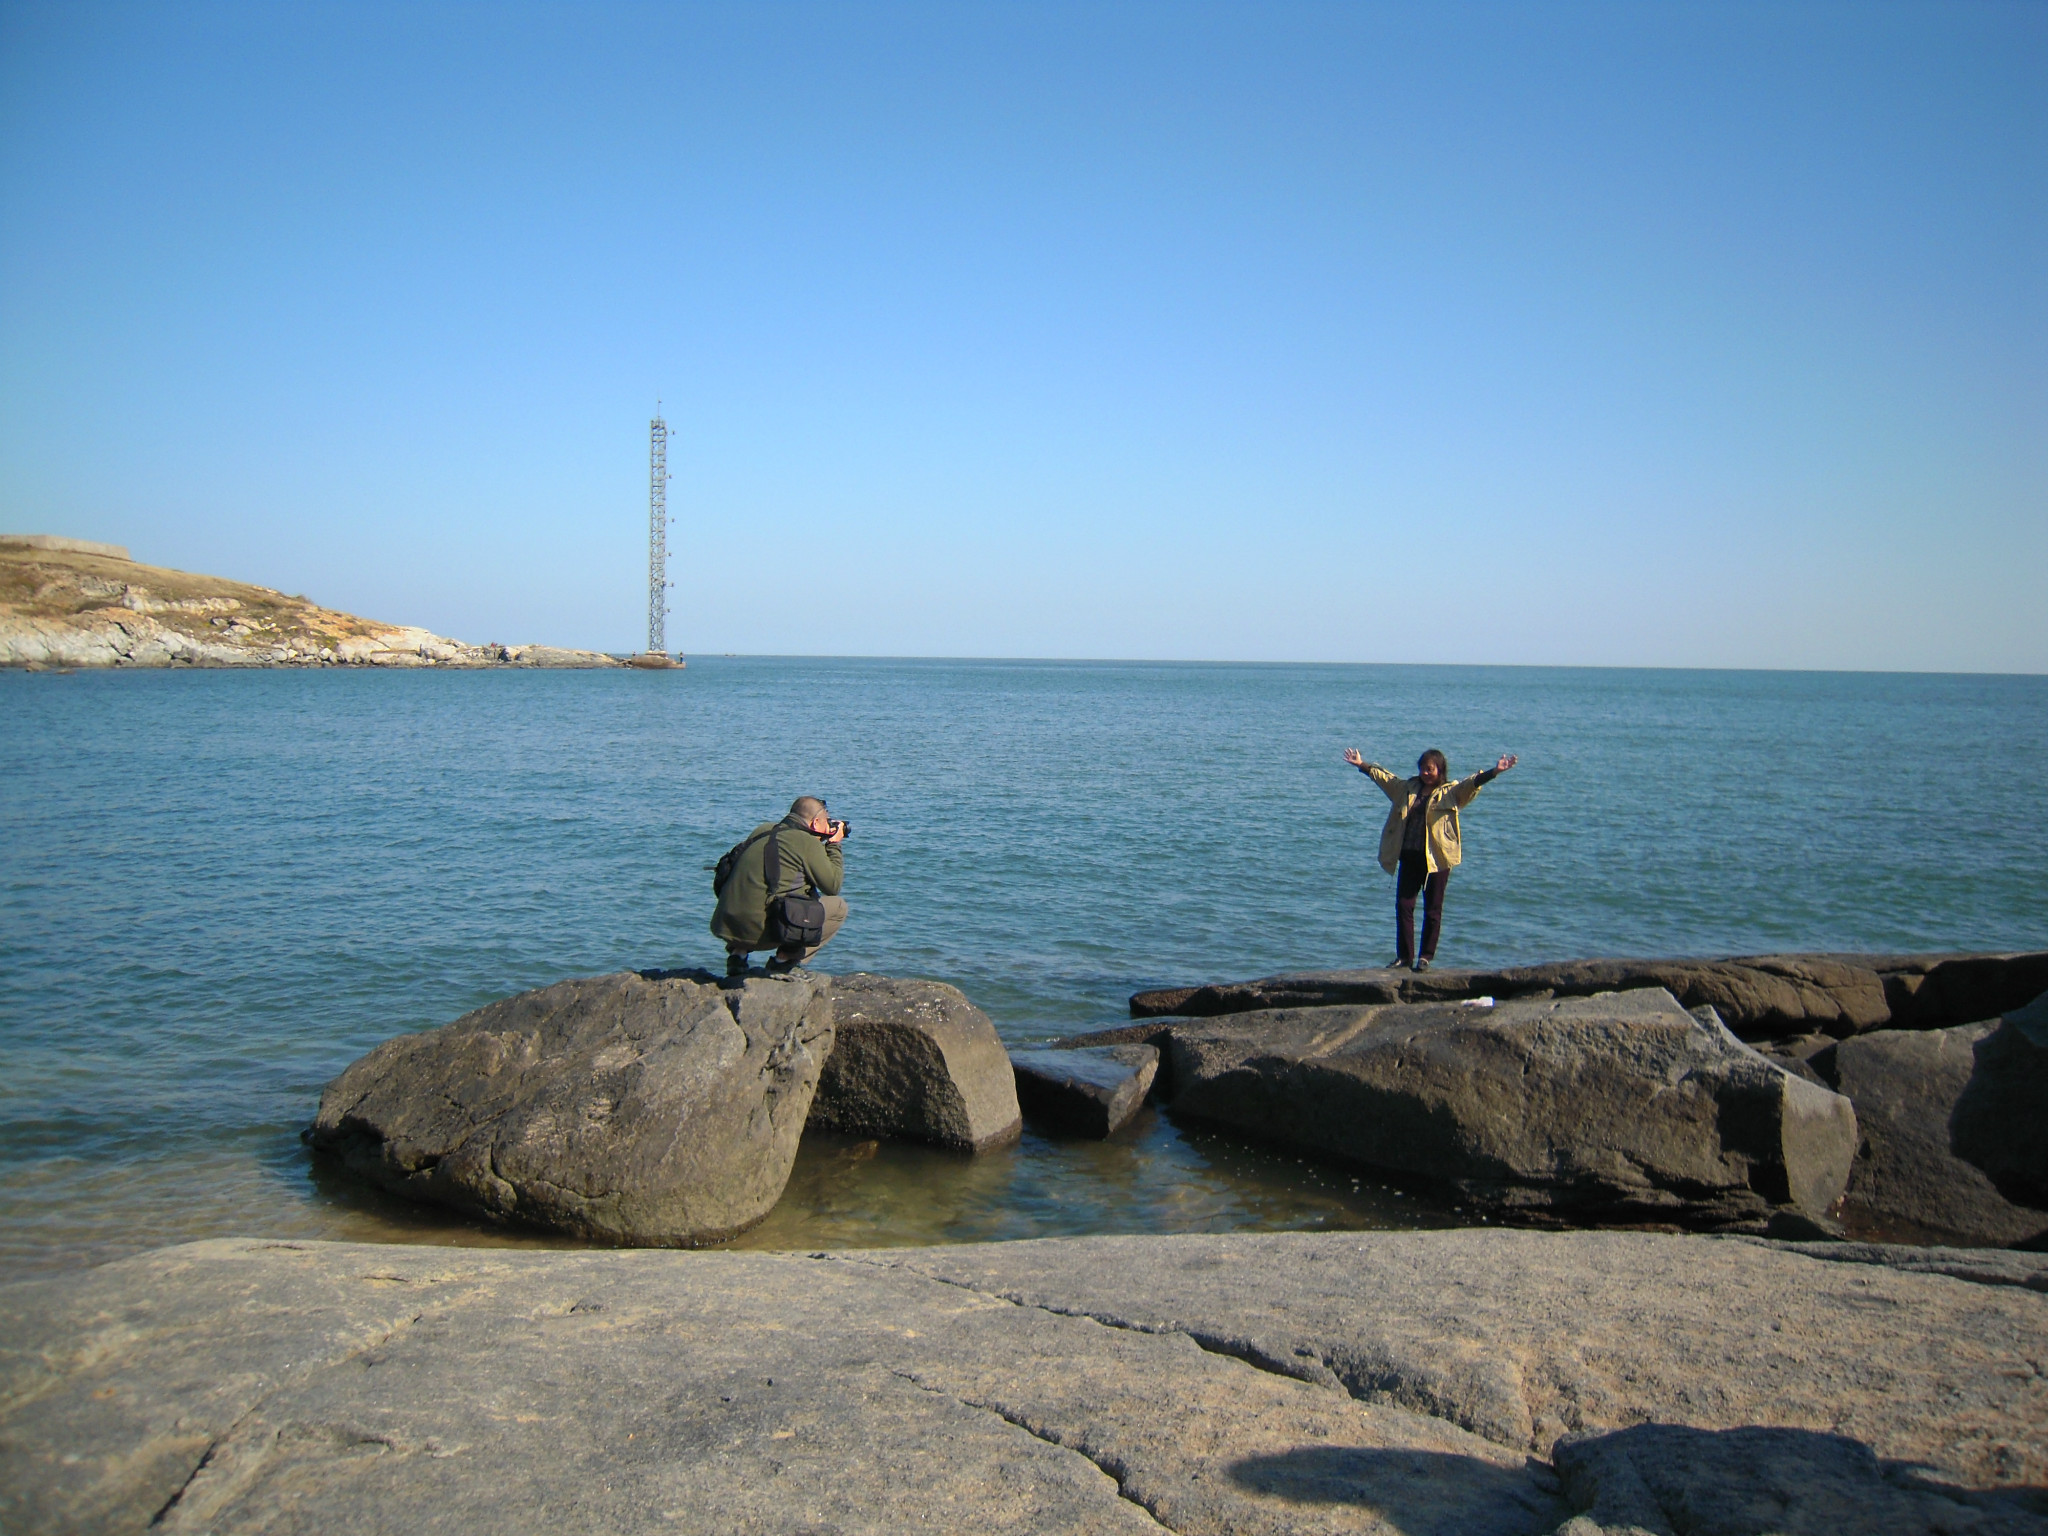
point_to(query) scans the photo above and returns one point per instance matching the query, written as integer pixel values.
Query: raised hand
(1351, 756)
(1506, 763)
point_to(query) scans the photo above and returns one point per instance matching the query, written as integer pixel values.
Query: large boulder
(2001, 1121)
(1622, 1107)
(1953, 1130)
(661, 1109)
(916, 1059)
(1093, 1091)
(1758, 996)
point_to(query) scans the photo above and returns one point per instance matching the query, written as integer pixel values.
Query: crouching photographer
(779, 889)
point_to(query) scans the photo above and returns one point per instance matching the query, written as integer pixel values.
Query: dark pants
(1413, 876)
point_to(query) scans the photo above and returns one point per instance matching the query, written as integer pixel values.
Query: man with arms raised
(779, 889)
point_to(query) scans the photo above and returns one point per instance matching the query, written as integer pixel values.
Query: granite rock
(1094, 1091)
(659, 1109)
(1410, 1383)
(1940, 1112)
(1757, 996)
(1621, 1107)
(2001, 1120)
(915, 1059)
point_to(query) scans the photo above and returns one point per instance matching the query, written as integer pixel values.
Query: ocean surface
(218, 888)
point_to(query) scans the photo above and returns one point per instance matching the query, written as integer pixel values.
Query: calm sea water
(217, 889)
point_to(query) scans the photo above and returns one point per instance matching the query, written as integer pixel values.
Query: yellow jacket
(1440, 849)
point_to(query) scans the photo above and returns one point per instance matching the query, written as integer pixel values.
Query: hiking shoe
(1397, 965)
(735, 965)
(781, 967)
(1422, 965)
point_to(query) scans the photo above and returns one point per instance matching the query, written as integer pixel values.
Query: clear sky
(1637, 334)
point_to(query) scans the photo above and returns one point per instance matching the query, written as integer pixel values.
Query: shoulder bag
(795, 921)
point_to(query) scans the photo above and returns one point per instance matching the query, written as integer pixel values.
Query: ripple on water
(217, 889)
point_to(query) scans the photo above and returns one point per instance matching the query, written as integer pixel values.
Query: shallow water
(216, 889)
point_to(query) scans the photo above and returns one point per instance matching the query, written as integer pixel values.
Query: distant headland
(73, 603)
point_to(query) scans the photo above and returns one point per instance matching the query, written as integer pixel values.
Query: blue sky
(1645, 334)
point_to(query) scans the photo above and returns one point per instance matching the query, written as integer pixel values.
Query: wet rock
(1369, 1382)
(916, 1059)
(1621, 1107)
(626, 1108)
(1094, 1091)
(1953, 1123)
(1758, 997)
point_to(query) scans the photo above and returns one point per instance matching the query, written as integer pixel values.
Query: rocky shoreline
(1462, 1383)
(65, 603)
(1942, 1057)
(1644, 1382)
(664, 1108)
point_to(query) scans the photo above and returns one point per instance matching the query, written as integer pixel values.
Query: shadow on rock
(1419, 1493)
(1999, 1123)
(1668, 1478)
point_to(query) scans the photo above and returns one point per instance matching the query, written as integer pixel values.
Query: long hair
(1443, 766)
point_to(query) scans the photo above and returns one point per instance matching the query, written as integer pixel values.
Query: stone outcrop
(1953, 1132)
(1464, 1383)
(1093, 1091)
(1620, 1107)
(630, 1109)
(66, 603)
(915, 1059)
(1758, 997)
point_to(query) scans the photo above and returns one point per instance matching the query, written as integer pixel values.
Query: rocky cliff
(66, 603)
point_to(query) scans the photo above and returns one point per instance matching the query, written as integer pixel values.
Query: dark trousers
(1411, 877)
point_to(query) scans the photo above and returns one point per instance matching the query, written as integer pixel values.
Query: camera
(845, 828)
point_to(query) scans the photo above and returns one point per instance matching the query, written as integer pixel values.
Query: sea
(218, 888)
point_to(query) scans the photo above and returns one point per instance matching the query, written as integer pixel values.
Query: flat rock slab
(1094, 1091)
(661, 1109)
(1939, 1112)
(1621, 1107)
(1413, 1383)
(1758, 996)
(916, 1059)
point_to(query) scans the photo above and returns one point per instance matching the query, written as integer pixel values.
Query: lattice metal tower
(657, 536)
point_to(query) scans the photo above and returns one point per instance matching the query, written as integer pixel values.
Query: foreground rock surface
(1946, 1116)
(1758, 997)
(1091, 1091)
(625, 1108)
(68, 603)
(915, 1059)
(1428, 1384)
(1623, 1107)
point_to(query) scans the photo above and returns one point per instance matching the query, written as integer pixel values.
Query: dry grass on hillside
(61, 585)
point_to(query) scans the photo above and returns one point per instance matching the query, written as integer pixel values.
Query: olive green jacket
(1441, 848)
(808, 862)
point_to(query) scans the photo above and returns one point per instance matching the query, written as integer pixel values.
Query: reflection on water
(1154, 1176)
(844, 1192)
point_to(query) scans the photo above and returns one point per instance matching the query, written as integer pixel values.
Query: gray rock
(1094, 1091)
(1758, 996)
(2001, 1121)
(1934, 1109)
(916, 1059)
(1661, 1479)
(1359, 1382)
(654, 1110)
(1526, 1337)
(1619, 1107)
